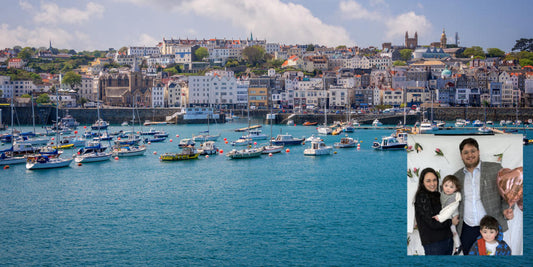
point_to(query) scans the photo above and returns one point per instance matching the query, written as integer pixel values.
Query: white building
(215, 88)
(272, 48)
(158, 95)
(88, 88)
(142, 51)
(6, 87)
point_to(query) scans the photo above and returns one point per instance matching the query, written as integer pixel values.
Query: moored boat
(244, 153)
(389, 143)
(45, 162)
(345, 142)
(186, 154)
(286, 139)
(318, 148)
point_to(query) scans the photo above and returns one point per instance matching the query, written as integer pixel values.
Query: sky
(103, 24)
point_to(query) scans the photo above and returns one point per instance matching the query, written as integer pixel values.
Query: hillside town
(236, 74)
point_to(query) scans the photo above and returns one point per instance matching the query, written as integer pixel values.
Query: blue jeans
(444, 247)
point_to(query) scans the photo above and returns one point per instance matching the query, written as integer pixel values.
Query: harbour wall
(46, 115)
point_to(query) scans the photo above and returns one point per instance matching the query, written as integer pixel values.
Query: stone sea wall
(46, 115)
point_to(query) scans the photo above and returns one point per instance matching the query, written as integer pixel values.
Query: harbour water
(348, 208)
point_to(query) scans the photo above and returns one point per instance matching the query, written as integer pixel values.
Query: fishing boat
(318, 148)
(186, 142)
(208, 148)
(345, 142)
(389, 143)
(45, 162)
(244, 153)
(308, 123)
(286, 139)
(185, 154)
(128, 151)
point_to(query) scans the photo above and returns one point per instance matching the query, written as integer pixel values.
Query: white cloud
(39, 36)
(51, 13)
(147, 40)
(272, 20)
(25, 5)
(407, 22)
(354, 10)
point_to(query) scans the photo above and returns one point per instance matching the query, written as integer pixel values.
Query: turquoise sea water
(348, 208)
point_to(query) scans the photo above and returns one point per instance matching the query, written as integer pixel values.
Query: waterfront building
(391, 96)
(495, 92)
(115, 89)
(6, 87)
(216, 87)
(158, 95)
(164, 60)
(340, 97)
(178, 91)
(16, 63)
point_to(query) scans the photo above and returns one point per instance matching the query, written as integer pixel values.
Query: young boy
(491, 240)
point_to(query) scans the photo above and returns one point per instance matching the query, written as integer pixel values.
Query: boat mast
(32, 112)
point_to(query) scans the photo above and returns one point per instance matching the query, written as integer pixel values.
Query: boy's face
(489, 234)
(448, 187)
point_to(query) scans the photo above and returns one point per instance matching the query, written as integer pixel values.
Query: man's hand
(508, 214)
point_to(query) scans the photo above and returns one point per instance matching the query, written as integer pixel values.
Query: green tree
(399, 63)
(254, 54)
(406, 54)
(523, 45)
(310, 47)
(340, 47)
(232, 63)
(82, 101)
(495, 52)
(525, 62)
(201, 53)
(25, 96)
(26, 53)
(71, 79)
(123, 50)
(475, 51)
(42, 98)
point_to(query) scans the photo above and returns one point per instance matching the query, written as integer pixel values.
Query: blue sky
(103, 24)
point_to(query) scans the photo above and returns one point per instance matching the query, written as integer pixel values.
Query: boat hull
(177, 156)
(56, 163)
(93, 157)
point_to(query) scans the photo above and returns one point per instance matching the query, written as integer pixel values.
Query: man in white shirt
(480, 194)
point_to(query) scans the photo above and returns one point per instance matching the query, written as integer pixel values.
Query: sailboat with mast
(49, 160)
(206, 135)
(131, 147)
(324, 129)
(271, 148)
(6, 156)
(94, 151)
(249, 152)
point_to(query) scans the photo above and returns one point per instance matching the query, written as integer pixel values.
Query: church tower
(443, 40)
(411, 43)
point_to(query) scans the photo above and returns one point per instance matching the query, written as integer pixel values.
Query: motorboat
(94, 152)
(348, 128)
(313, 138)
(324, 129)
(255, 134)
(389, 143)
(205, 136)
(208, 148)
(308, 123)
(128, 151)
(185, 154)
(477, 123)
(427, 126)
(345, 142)
(242, 142)
(186, 142)
(271, 149)
(244, 153)
(460, 123)
(485, 129)
(318, 148)
(286, 139)
(376, 123)
(100, 125)
(8, 159)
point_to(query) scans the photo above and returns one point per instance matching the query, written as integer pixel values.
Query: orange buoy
(221, 151)
(84, 127)
(75, 132)
(170, 140)
(155, 152)
(270, 154)
(206, 156)
(255, 143)
(225, 139)
(287, 150)
(118, 138)
(116, 158)
(226, 142)
(53, 138)
(6, 167)
(79, 163)
(177, 135)
(149, 143)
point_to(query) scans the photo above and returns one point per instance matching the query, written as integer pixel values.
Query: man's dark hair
(489, 222)
(468, 141)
